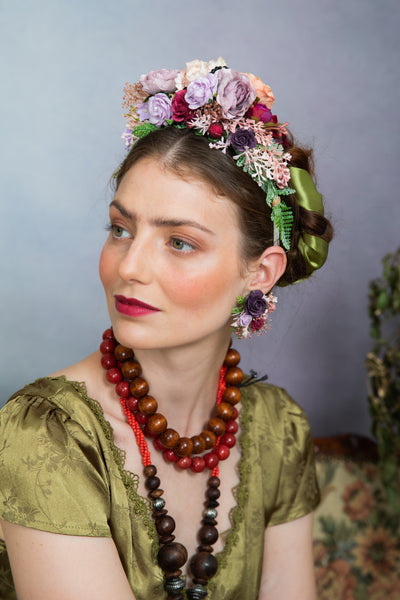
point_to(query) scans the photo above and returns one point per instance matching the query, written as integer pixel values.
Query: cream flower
(220, 62)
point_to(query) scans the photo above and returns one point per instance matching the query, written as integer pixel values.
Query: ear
(265, 271)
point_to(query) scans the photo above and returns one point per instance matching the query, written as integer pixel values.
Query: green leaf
(144, 129)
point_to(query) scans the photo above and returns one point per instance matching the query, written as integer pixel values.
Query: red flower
(257, 324)
(259, 112)
(180, 108)
(215, 130)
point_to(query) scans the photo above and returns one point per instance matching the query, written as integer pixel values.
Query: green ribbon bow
(313, 249)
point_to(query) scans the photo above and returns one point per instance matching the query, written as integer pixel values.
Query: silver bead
(174, 584)
(196, 592)
(158, 503)
(210, 513)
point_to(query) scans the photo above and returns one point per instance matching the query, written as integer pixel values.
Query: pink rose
(264, 92)
(259, 112)
(235, 93)
(180, 108)
(215, 131)
(162, 80)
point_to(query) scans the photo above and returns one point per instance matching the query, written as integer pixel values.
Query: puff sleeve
(52, 473)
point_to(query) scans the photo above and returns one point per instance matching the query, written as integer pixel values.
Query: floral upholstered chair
(356, 533)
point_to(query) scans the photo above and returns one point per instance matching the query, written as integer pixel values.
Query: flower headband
(231, 110)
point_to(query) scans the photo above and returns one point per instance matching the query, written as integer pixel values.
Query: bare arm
(47, 566)
(288, 568)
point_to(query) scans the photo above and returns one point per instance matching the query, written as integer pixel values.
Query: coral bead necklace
(141, 413)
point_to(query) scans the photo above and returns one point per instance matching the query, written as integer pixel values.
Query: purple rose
(255, 303)
(162, 80)
(156, 110)
(200, 91)
(242, 139)
(235, 94)
(260, 112)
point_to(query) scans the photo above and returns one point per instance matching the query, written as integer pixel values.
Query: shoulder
(273, 403)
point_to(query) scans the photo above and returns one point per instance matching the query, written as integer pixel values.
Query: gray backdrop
(333, 66)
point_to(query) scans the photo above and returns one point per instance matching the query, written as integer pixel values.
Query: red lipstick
(133, 307)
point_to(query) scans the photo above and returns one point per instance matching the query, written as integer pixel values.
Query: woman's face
(171, 266)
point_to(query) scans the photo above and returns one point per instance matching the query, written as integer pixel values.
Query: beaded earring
(250, 315)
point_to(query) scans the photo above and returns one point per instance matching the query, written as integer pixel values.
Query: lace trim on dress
(143, 507)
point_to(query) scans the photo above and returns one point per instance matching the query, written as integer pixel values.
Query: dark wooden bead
(205, 548)
(148, 405)
(216, 425)
(199, 444)
(122, 352)
(232, 395)
(149, 471)
(224, 410)
(157, 424)
(159, 513)
(172, 557)
(139, 387)
(166, 539)
(207, 521)
(184, 447)
(234, 376)
(212, 503)
(169, 438)
(232, 358)
(209, 438)
(157, 493)
(213, 493)
(203, 565)
(208, 535)
(165, 525)
(152, 483)
(131, 369)
(213, 482)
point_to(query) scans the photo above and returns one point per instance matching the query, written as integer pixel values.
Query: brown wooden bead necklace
(173, 555)
(123, 370)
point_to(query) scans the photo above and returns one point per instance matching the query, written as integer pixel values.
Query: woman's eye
(178, 244)
(118, 232)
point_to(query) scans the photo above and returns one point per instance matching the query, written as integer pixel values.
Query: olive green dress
(61, 472)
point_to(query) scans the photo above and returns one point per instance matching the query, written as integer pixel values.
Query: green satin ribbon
(313, 249)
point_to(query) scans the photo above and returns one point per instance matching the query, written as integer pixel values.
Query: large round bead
(157, 424)
(224, 411)
(172, 557)
(208, 535)
(122, 352)
(199, 444)
(232, 358)
(147, 405)
(184, 447)
(139, 387)
(203, 565)
(216, 425)
(209, 438)
(169, 438)
(131, 369)
(234, 376)
(165, 525)
(232, 395)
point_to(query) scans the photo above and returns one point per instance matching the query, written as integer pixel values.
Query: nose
(135, 264)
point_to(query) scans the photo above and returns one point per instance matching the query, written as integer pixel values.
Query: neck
(184, 380)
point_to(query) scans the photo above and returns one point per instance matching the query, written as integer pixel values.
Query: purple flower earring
(251, 312)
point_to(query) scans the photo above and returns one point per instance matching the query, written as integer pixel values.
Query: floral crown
(232, 110)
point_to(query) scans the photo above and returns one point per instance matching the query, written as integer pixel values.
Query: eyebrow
(160, 222)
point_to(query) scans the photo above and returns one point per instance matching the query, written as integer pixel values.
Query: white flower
(220, 62)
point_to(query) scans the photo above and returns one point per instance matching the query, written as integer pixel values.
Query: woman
(213, 207)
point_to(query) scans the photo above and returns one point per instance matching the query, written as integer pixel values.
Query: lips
(133, 307)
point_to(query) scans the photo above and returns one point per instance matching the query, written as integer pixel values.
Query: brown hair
(187, 154)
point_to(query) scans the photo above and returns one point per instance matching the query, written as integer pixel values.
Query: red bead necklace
(173, 555)
(214, 442)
